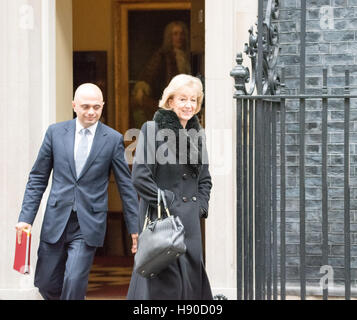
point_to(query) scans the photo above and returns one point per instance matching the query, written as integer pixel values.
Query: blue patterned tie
(82, 151)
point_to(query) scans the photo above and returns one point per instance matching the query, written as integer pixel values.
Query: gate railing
(261, 185)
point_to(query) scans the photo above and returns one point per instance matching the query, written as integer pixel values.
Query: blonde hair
(177, 83)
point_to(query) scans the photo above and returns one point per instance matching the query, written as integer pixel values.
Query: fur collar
(167, 119)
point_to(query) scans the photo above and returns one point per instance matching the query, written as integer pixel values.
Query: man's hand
(19, 228)
(134, 239)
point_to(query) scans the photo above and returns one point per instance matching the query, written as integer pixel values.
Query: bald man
(80, 153)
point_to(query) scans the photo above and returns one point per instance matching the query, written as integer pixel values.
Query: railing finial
(270, 77)
(240, 75)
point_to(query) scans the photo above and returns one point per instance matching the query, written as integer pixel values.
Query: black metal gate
(261, 168)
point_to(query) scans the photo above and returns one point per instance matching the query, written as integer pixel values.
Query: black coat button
(185, 176)
(194, 198)
(184, 199)
(194, 175)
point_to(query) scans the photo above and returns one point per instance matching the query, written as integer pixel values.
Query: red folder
(22, 253)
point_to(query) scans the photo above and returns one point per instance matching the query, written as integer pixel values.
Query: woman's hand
(134, 239)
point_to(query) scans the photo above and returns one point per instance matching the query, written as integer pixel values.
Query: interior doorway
(114, 45)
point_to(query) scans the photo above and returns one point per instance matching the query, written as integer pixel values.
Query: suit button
(194, 175)
(184, 176)
(184, 199)
(194, 198)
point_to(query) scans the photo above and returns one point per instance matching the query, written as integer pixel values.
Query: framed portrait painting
(152, 44)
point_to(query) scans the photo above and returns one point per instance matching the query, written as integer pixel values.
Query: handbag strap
(159, 203)
(160, 194)
(165, 203)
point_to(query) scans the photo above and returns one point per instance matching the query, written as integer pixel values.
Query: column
(27, 108)
(227, 24)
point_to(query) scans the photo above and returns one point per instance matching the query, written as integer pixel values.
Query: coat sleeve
(38, 180)
(125, 186)
(204, 190)
(143, 173)
(204, 182)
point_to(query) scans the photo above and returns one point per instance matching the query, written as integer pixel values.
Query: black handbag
(160, 243)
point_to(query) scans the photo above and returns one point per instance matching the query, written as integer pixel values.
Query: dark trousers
(62, 268)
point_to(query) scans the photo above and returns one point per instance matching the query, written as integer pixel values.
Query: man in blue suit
(80, 153)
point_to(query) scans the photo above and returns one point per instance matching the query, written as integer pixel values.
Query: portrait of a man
(168, 56)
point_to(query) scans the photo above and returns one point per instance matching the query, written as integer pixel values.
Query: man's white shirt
(78, 136)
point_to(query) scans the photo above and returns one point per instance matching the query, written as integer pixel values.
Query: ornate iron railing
(261, 199)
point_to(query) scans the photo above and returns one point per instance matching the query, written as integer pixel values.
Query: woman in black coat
(171, 155)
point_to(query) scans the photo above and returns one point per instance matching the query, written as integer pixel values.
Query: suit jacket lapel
(68, 140)
(98, 143)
